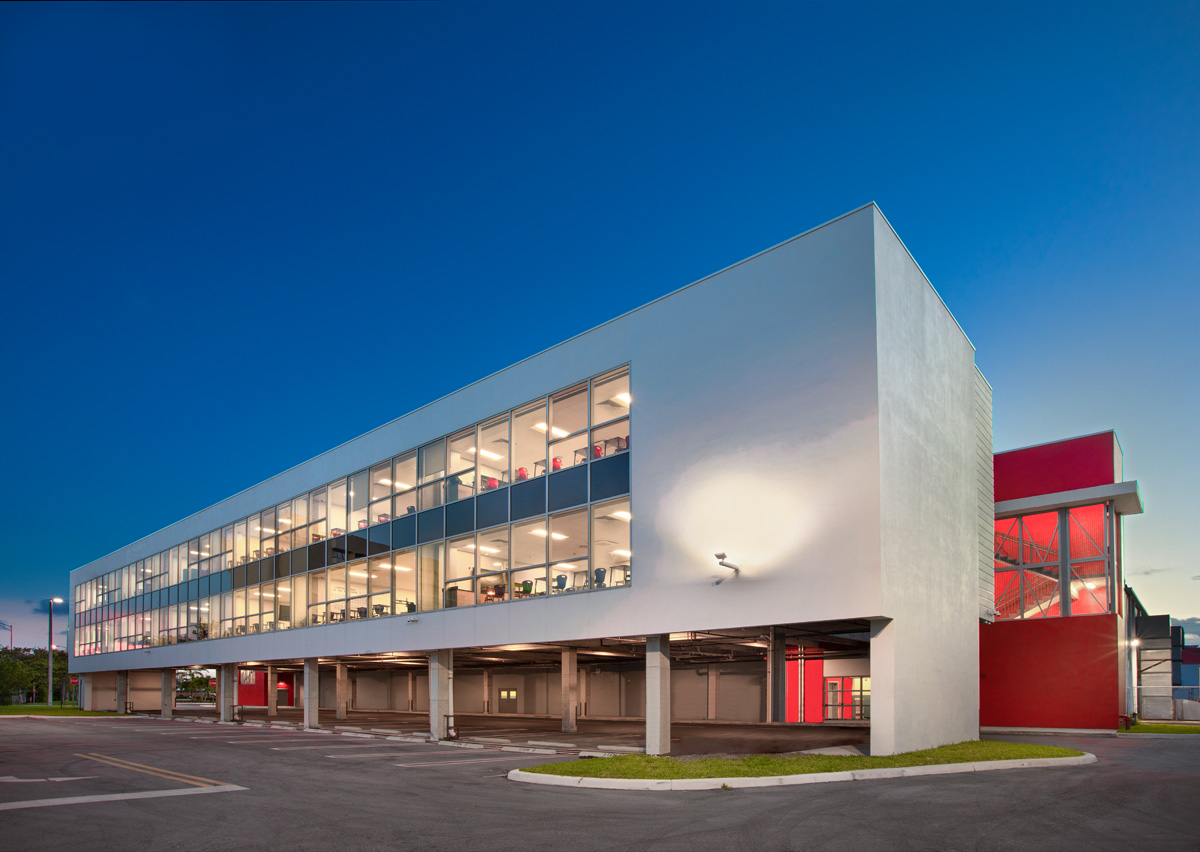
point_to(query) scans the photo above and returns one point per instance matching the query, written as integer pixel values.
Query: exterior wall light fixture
(721, 561)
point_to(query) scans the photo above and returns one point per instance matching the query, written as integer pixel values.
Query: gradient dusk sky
(235, 235)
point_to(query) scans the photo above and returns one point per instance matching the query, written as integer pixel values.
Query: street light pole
(10, 633)
(50, 655)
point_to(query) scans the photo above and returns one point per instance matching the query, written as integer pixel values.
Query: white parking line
(115, 797)
(475, 760)
(327, 746)
(372, 754)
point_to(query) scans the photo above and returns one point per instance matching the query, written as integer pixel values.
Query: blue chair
(599, 574)
(560, 582)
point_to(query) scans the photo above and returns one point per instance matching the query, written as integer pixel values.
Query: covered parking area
(771, 688)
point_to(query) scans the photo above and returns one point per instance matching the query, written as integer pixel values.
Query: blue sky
(235, 235)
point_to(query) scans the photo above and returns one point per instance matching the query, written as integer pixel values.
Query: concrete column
(312, 698)
(412, 690)
(777, 677)
(168, 693)
(883, 687)
(441, 692)
(585, 686)
(298, 689)
(658, 694)
(84, 694)
(272, 692)
(122, 690)
(570, 689)
(227, 677)
(343, 690)
(487, 690)
(714, 679)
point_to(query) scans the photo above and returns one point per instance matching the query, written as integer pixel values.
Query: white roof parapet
(1125, 496)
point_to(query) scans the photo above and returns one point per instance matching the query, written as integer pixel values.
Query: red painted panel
(1059, 466)
(1050, 673)
(252, 694)
(792, 704)
(814, 689)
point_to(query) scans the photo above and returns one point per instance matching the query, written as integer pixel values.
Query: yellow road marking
(169, 774)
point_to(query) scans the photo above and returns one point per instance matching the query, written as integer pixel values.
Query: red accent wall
(814, 689)
(255, 694)
(792, 704)
(1060, 466)
(1050, 673)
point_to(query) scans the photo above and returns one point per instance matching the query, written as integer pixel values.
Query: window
(251, 575)
(529, 442)
(611, 554)
(610, 396)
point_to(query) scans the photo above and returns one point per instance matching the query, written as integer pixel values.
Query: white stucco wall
(925, 661)
(755, 433)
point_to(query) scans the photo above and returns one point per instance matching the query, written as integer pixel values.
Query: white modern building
(543, 541)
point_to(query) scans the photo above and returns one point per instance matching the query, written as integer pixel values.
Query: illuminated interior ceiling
(833, 639)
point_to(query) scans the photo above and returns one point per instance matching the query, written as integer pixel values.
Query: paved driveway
(288, 790)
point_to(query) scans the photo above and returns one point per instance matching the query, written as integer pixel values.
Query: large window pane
(529, 543)
(610, 396)
(317, 504)
(460, 557)
(359, 494)
(492, 549)
(492, 454)
(462, 451)
(404, 472)
(356, 579)
(429, 576)
(432, 461)
(404, 568)
(337, 508)
(529, 442)
(568, 411)
(611, 554)
(381, 481)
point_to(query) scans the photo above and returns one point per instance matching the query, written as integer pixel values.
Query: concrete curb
(114, 716)
(790, 780)
(1134, 736)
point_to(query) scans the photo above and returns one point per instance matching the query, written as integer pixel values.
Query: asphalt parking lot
(142, 784)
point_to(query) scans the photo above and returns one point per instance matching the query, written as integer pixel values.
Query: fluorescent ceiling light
(488, 549)
(401, 486)
(623, 398)
(541, 426)
(488, 454)
(384, 481)
(564, 565)
(621, 553)
(1090, 585)
(285, 520)
(402, 568)
(284, 588)
(624, 516)
(537, 532)
(267, 595)
(557, 536)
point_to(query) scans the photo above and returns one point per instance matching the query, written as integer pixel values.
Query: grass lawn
(1140, 728)
(757, 765)
(43, 710)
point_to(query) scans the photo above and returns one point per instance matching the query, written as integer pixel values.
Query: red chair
(556, 463)
(490, 483)
(522, 473)
(597, 451)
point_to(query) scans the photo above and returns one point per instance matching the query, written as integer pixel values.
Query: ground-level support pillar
(714, 680)
(343, 690)
(227, 675)
(777, 677)
(83, 693)
(585, 687)
(441, 692)
(312, 697)
(487, 690)
(122, 691)
(570, 690)
(272, 692)
(168, 693)
(412, 691)
(658, 694)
